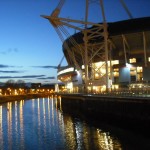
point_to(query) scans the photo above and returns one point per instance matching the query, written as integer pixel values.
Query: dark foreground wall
(128, 112)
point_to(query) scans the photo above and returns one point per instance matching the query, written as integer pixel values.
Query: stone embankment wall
(127, 111)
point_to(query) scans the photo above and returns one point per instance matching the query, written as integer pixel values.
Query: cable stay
(126, 9)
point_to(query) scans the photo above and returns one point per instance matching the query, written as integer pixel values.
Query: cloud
(13, 71)
(25, 77)
(46, 67)
(47, 78)
(5, 66)
(10, 50)
(32, 76)
(8, 66)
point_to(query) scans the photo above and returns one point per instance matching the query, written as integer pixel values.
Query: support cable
(126, 9)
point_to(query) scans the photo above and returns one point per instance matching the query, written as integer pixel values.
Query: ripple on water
(39, 124)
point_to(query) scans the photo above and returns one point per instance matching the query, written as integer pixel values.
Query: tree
(10, 83)
(20, 83)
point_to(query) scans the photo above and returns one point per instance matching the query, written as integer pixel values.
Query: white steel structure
(89, 53)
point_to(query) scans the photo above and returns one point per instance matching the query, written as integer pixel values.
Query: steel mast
(105, 42)
(89, 51)
(86, 49)
(89, 34)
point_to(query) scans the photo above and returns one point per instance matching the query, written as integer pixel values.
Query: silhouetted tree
(20, 83)
(10, 83)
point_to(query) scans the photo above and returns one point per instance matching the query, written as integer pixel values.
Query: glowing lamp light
(128, 65)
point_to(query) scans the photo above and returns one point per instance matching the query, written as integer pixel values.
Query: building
(128, 61)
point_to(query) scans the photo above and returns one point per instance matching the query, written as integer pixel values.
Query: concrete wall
(129, 112)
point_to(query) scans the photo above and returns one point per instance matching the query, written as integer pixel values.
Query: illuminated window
(103, 70)
(114, 62)
(139, 69)
(116, 69)
(96, 76)
(98, 64)
(132, 60)
(116, 72)
(83, 67)
(115, 86)
(133, 71)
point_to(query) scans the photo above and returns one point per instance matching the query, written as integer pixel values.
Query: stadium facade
(128, 58)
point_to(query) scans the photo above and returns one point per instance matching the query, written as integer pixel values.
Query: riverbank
(128, 112)
(9, 98)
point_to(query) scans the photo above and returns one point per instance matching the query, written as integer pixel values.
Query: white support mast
(86, 48)
(89, 51)
(144, 45)
(105, 42)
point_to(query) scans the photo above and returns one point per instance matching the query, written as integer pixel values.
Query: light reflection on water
(39, 124)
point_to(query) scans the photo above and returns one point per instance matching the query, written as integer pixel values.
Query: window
(97, 76)
(133, 71)
(116, 72)
(139, 69)
(116, 69)
(132, 60)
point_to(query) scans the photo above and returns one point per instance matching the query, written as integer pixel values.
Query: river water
(38, 124)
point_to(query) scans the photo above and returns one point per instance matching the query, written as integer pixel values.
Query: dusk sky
(28, 42)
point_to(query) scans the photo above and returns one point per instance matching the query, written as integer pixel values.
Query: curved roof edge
(120, 27)
(129, 26)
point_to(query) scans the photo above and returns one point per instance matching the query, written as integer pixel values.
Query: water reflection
(9, 120)
(1, 117)
(41, 124)
(21, 104)
(81, 136)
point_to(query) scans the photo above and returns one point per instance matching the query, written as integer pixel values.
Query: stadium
(128, 58)
(105, 56)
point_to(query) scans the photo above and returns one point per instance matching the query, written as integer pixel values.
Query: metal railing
(122, 92)
(128, 92)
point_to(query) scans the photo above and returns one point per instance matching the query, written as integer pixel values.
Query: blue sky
(28, 41)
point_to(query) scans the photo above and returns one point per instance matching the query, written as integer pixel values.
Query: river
(37, 124)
